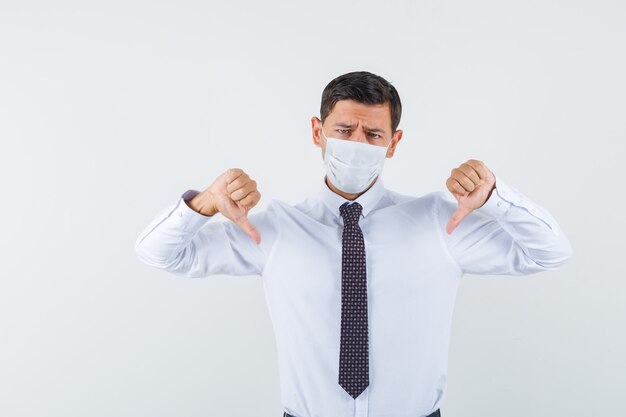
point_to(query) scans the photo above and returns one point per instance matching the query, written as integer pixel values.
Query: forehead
(353, 111)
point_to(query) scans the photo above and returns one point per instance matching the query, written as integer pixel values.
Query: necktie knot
(351, 213)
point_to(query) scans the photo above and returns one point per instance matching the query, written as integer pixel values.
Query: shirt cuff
(503, 196)
(186, 217)
(499, 201)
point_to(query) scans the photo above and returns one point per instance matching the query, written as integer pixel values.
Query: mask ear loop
(390, 142)
(322, 134)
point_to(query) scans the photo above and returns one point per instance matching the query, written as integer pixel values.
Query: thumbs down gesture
(471, 184)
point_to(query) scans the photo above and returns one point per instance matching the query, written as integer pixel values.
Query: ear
(394, 139)
(316, 125)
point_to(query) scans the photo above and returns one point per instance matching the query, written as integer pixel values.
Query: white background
(109, 111)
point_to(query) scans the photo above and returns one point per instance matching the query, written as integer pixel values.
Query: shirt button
(499, 203)
(180, 214)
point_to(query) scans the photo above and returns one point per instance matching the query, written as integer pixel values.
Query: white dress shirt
(413, 272)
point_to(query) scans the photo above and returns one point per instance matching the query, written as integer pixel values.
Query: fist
(471, 184)
(233, 194)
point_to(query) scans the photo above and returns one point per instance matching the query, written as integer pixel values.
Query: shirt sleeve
(508, 235)
(184, 242)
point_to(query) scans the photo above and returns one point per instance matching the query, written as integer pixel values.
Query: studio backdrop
(109, 111)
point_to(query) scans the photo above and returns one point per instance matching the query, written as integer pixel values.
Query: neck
(345, 195)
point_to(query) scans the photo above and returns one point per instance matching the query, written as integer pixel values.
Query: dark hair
(364, 87)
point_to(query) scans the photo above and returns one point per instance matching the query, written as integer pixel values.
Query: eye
(342, 131)
(376, 135)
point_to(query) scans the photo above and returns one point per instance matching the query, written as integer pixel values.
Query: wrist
(203, 203)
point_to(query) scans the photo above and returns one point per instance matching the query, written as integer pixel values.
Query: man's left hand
(471, 184)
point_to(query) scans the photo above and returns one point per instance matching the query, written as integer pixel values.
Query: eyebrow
(369, 129)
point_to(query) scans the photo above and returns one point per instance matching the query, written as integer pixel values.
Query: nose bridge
(359, 134)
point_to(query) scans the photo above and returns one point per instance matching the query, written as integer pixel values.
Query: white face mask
(352, 166)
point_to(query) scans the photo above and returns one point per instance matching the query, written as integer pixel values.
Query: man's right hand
(233, 194)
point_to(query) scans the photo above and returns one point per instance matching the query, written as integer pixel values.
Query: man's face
(351, 120)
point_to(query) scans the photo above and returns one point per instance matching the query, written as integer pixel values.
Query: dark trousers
(435, 413)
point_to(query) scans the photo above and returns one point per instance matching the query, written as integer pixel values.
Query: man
(359, 280)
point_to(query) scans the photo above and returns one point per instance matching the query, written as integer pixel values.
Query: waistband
(435, 413)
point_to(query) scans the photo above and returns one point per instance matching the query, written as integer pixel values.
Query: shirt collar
(367, 200)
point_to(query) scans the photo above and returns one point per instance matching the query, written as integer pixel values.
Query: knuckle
(234, 173)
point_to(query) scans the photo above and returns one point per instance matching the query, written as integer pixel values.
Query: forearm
(169, 233)
(531, 227)
(509, 234)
